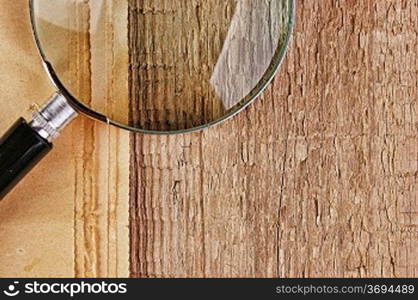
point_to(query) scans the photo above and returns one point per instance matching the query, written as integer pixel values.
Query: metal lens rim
(250, 98)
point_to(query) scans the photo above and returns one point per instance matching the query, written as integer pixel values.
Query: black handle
(21, 148)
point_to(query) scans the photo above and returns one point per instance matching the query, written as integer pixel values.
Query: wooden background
(318, 178)
(69, 217)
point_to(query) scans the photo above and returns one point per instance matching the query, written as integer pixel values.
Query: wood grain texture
(101, 166)
(171, 62)
(194, 62)
(318, 178)
(69, 217)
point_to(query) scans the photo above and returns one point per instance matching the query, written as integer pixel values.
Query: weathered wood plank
(102, 153)
(317, 178)
(69, 217)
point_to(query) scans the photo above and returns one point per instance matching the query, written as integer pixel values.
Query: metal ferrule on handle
(54, 116)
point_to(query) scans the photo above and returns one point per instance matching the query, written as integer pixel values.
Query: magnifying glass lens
(161, 65)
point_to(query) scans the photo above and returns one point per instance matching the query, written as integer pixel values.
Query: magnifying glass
(182, 66)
